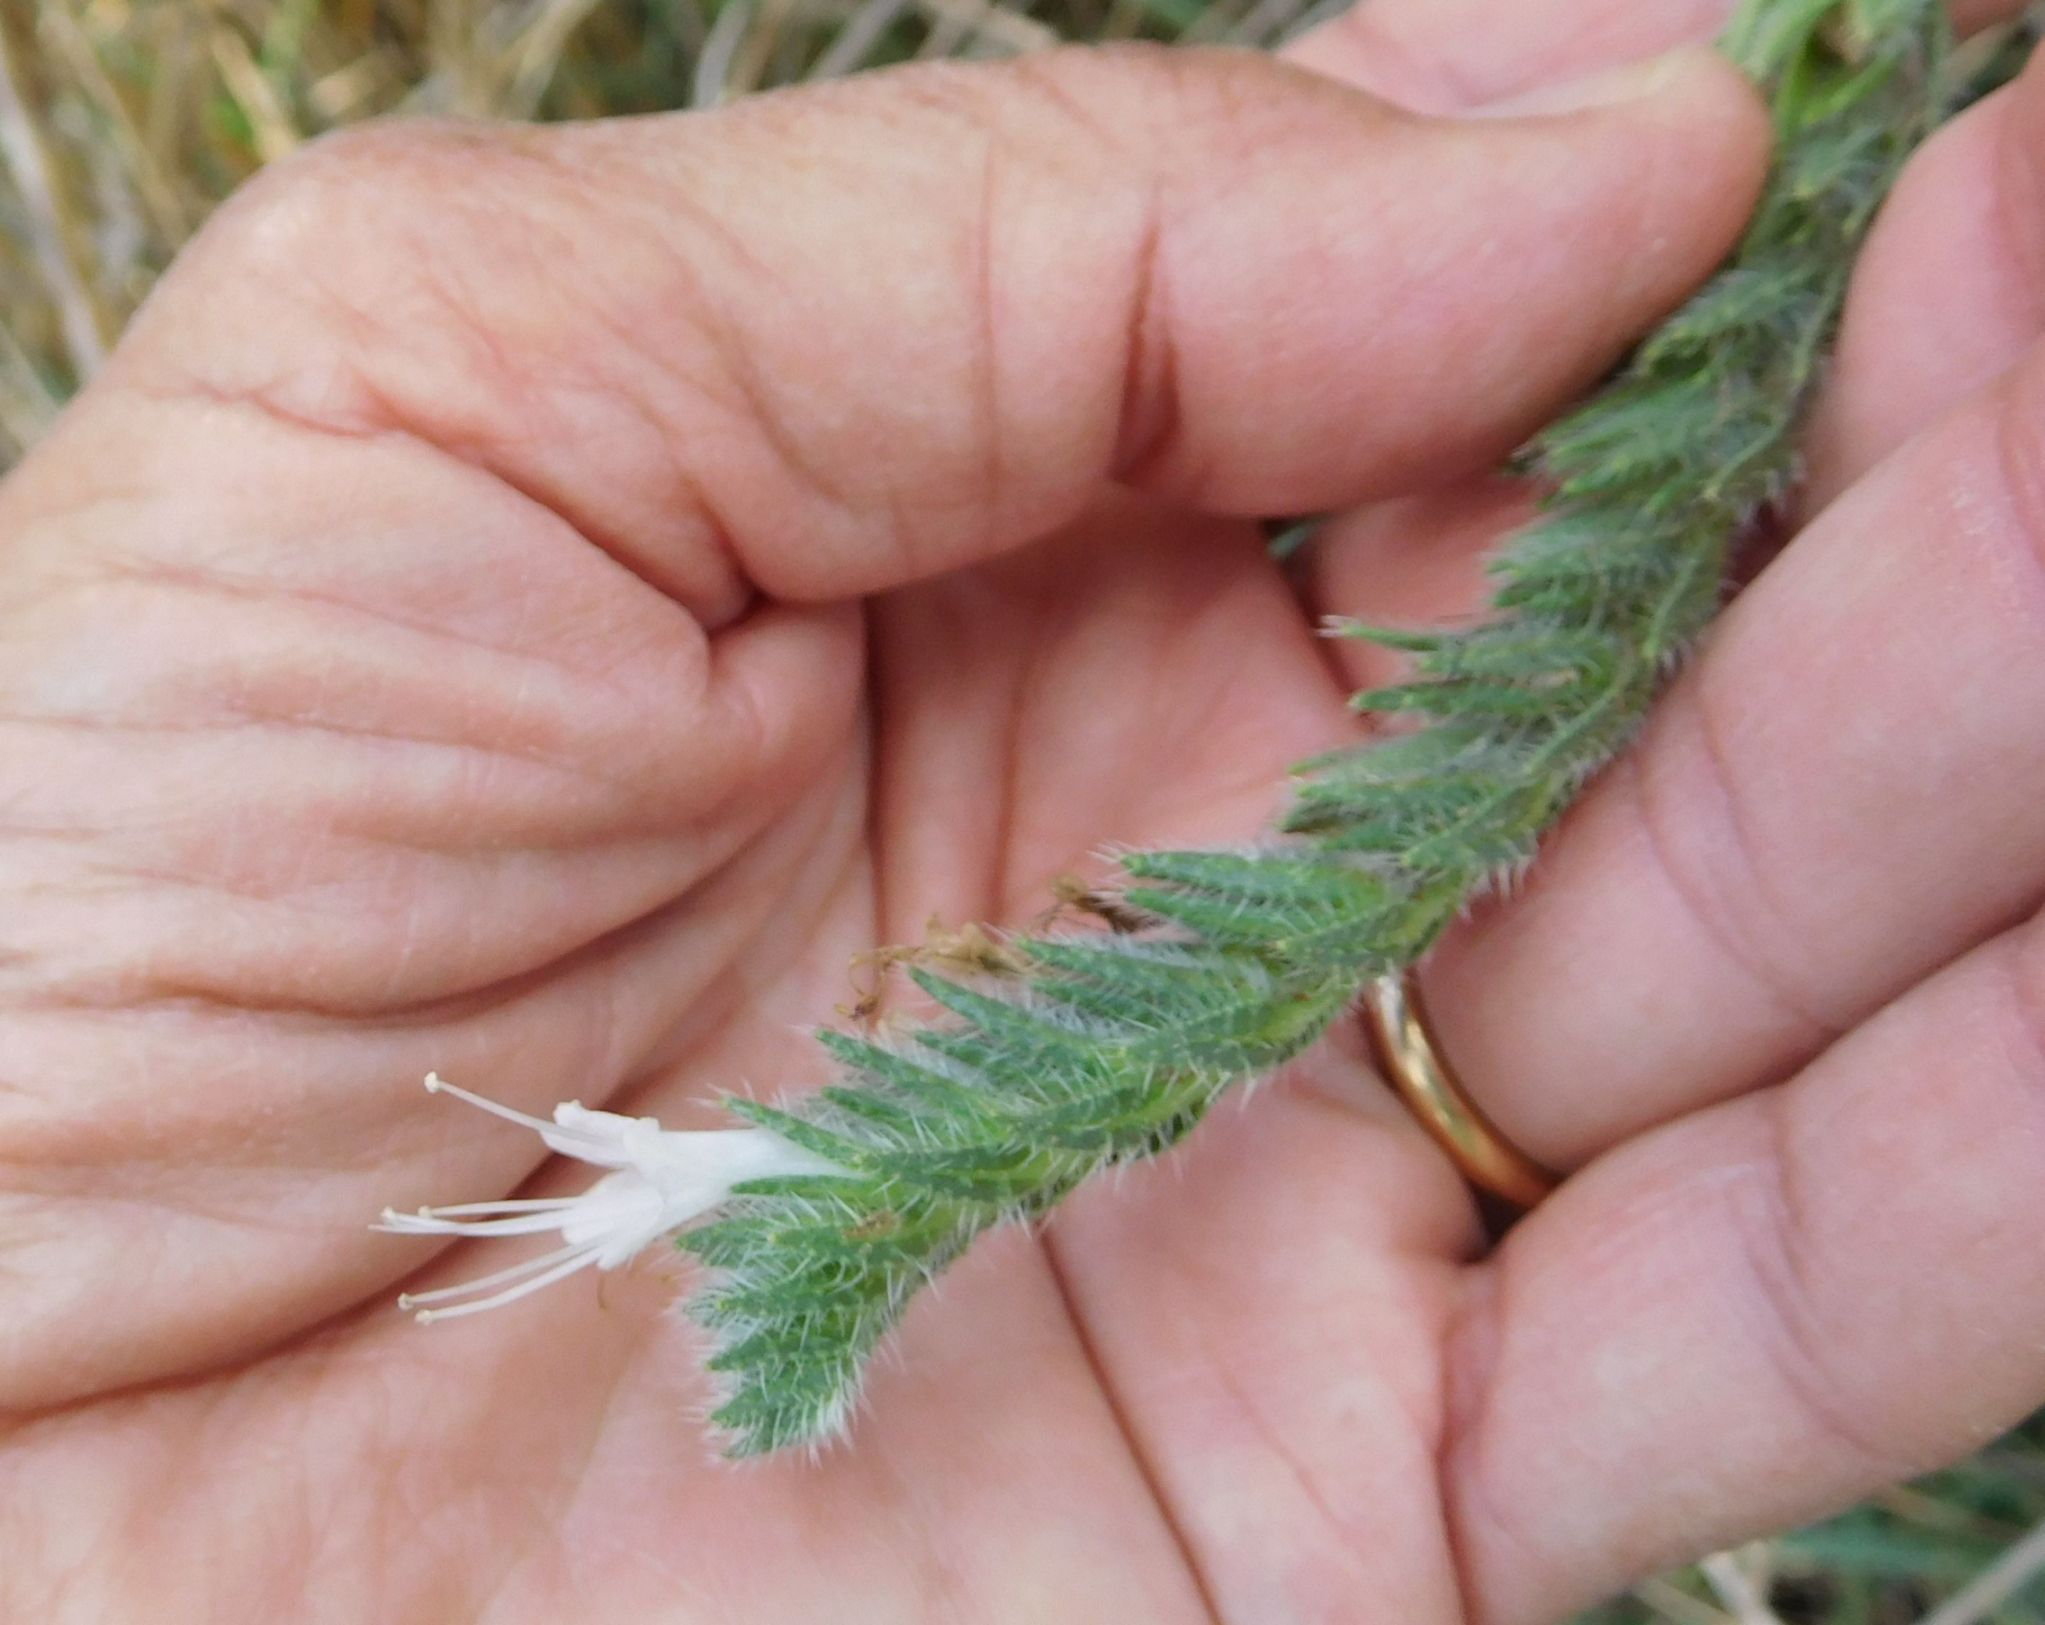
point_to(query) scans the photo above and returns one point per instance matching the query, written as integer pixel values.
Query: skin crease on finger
(396, 770)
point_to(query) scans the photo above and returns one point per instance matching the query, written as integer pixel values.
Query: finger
(1272, 1344)
(1946, 296)
(833, 341)
(1942, 300)
(1834, 802)
(1758, 1315)
(1449, 56)
(1419, 560)
(1837, 798)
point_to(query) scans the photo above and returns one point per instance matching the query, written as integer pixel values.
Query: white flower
(663, 1178)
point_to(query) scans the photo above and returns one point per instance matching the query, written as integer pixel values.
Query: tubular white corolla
(661, 1179)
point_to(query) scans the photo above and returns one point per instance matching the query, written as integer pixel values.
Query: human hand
(1797, 927)
(571, 593)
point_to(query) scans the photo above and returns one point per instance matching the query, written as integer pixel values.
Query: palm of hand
(668, 935)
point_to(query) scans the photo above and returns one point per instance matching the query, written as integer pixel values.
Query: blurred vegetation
(122, 122)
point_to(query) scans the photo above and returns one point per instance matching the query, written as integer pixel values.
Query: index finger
(839, 339)
(1449, 56)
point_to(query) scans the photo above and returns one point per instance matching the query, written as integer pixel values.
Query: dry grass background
(122, 122)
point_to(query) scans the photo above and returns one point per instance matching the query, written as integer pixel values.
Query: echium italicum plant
(1065, 1052)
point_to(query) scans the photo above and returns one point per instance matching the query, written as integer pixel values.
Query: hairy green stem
(1094, 1048)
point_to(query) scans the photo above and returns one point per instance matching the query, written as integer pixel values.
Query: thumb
(835, 339)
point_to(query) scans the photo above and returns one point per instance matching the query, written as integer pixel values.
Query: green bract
(1105, 1047)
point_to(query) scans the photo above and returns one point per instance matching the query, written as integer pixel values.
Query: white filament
(661, 1179)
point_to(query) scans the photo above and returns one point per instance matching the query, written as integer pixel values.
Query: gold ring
(1417, 1070)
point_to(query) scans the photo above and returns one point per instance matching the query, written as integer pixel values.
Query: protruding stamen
(437, 1085)
(533, 1204)
(579, 1256)
(570, 1141)
(432, 1221)
(517, 1272)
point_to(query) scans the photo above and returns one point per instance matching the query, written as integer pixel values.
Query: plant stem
(1109, 1046)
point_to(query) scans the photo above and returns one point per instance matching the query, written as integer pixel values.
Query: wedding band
(1416, 1068)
